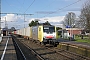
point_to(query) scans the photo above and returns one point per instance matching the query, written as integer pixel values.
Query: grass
(85, 39)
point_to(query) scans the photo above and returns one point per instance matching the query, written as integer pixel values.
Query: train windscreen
(49, 29)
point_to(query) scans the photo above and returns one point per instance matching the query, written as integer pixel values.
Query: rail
(17, 47)
(35, 53)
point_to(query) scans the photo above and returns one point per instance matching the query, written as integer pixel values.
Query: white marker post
(0, 39)
(0, 22)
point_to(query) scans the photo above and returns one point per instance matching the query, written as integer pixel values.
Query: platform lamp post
(70, 27)
(0, 22)
(0, 18)
(72, 30)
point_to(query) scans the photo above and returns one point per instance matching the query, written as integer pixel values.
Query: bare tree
(69, 19)
(85, 15)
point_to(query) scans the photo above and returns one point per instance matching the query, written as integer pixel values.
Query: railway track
(49, 52)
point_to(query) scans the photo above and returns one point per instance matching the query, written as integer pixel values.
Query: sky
(53, 11)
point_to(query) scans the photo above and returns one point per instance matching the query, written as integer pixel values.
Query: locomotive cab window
(52, 29)
(49, 29)
(46, 29)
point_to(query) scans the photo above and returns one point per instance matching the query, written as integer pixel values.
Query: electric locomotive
(46, 34)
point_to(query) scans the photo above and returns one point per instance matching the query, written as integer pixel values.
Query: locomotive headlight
(43, 36)
(54, 36)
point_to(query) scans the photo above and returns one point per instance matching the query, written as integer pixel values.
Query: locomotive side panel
(56, 33)
(35, 32)
(40, 33)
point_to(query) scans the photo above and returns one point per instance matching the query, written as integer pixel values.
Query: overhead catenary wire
(63, 8)
(29, 6)
(26, 10)
(22, 6)
(16, 13)
(43, 12)
(51, 12)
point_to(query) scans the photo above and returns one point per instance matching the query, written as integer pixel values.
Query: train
(45, 34)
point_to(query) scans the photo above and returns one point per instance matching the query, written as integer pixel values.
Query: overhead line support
(17, 13)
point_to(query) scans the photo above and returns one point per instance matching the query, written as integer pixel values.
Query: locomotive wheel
(42, 43)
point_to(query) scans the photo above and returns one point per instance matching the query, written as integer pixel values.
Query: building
(69, 32)
(5, 31)
(74, 31)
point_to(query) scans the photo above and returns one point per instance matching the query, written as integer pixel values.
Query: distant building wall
(74, 31)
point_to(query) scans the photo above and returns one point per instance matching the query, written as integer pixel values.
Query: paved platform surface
(7, 50)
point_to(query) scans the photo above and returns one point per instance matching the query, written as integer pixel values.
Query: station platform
(7, 50)
(82, 49)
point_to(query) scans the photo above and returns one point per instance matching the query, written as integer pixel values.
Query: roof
(74, 28)
(4, 29)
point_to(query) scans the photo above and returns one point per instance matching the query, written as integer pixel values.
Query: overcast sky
(53, 11)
